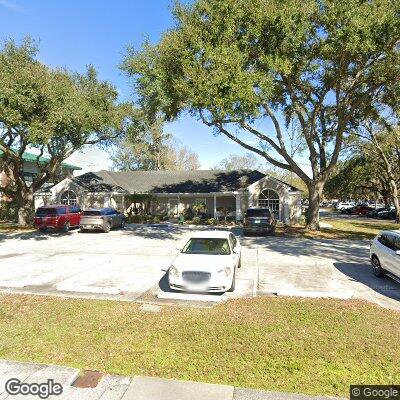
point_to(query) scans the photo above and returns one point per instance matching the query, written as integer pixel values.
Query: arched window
(69, 198)
(269, 198)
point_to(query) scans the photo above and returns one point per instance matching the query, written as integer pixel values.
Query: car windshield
(260, 213)
(207, 246)
(92, 212)
(46, 212)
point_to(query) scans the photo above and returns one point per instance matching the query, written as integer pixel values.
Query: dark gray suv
(259, 220)
(102, 219)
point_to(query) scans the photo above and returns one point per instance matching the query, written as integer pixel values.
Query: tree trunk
(394, 192)
(385, 198)
(24, 200)
(314, 197)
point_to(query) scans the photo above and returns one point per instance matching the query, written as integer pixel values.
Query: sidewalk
(112, 387)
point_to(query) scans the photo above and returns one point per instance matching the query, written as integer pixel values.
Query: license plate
(257, 221)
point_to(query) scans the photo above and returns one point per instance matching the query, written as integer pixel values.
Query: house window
(269, 198)
(69, 198)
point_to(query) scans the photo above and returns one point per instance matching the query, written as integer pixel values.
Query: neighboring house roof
(198, 181)
(30, 157)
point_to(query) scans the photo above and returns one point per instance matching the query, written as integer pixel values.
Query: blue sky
(76, 33)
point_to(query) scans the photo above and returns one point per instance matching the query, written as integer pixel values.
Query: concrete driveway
(128, 265)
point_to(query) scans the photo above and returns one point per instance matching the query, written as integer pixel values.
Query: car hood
(201, 262)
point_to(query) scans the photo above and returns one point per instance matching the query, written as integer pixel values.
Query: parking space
(129, 264)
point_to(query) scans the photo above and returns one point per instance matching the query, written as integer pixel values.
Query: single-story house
(174, 191)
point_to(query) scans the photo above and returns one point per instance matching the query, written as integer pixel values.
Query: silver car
(101, 219)
(385, 254)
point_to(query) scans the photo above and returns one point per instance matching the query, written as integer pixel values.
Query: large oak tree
(53, 111)
(237, 63)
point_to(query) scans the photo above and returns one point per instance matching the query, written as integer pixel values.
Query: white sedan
(206, 263)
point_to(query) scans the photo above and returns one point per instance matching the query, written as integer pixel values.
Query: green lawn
(355, 228)
(295, 345)
(360, 228)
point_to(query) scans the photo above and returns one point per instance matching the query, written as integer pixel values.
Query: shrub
(212, 221)
(156, 220)
(136, 219)
(196, 220)
(188, 214)
(199, 207)
(8, 212)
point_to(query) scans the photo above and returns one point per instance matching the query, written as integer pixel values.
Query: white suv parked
(385, 254)
(344, 205)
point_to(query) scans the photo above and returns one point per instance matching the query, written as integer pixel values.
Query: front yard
(284, 344)
(351, 228)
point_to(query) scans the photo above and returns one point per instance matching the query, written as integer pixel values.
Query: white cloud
(12, 6)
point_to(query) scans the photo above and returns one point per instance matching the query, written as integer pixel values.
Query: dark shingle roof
(199, 181)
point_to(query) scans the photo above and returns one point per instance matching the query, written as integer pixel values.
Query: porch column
(179, 206)
(215, 207)
(238, 207)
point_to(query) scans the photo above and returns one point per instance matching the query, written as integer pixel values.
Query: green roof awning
(30, 157)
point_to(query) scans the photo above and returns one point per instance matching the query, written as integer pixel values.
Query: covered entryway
(270, 199)
(225, 206)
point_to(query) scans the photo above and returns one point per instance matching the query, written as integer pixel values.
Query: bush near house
(146, 218)
(196, 220)
(8, 212)
(188, 213)
(199, 207)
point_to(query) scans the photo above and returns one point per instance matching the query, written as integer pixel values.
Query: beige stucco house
(174, 191)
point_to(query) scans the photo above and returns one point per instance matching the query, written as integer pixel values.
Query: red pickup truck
(57, 217)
